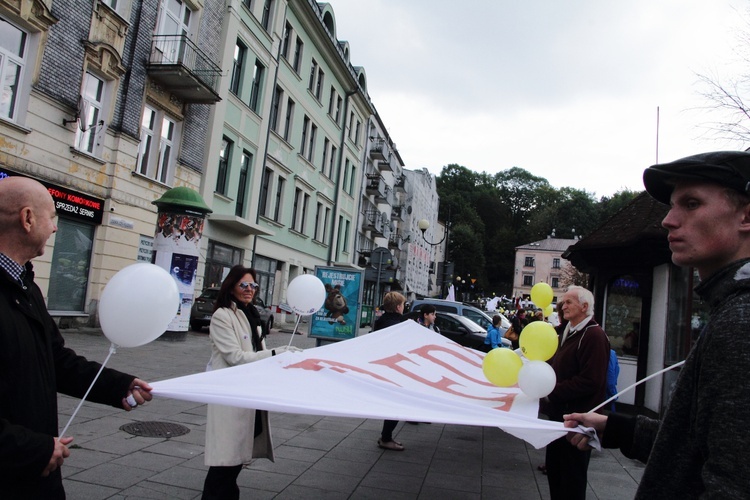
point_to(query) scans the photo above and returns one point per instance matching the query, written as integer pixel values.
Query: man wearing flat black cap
(701, 446)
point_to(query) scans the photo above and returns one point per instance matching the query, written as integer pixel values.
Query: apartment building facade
(541, 262)
(106, 102)
(254, 104)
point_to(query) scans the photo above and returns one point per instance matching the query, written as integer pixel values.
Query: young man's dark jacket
(34, 366)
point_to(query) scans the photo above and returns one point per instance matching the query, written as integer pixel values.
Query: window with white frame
(299, 210)
(157, 150)
(347, 231)
(305, 131)
(242, 186)
(174, 19)
(351, 179)
(280, 183)
(345, 184)
(313, 74)
(324, 162)
(326, 218)
(319, 84)
(235, 83)
(13, 54)
(258, 71)
(288, 119)
(322, 214)
(331, 100)
(265, 188)
(299, 49)
(266, 16)
(311, 145)
(222, 175)
(286, 44)
(332, 162)
(318, 217)
(90, 131)
(122, 7)
(278, 95)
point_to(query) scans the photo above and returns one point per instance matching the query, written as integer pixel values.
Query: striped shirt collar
(13, 268)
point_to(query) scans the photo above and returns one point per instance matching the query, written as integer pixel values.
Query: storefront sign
(70, 203)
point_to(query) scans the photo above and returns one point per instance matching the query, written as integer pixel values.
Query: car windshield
(210, 294)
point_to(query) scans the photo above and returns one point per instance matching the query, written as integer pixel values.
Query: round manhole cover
(155, 429)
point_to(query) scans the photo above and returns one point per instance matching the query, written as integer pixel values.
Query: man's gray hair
(584, 297)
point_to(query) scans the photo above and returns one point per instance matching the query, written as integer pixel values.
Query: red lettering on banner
(426, 353)
(319, 364)
(445, 384)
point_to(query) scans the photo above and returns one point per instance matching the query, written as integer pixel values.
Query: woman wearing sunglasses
(234, 436)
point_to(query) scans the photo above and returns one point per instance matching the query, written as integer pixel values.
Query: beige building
(540, 262)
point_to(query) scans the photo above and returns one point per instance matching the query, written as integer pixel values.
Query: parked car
(476, 315)
(459, 329)
(203, 309)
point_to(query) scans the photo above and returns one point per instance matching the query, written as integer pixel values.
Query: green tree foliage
(491, 214)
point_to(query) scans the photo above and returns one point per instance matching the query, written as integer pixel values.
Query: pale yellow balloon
(541, 295)
(501, 366)
(538, 341)
(549, 310)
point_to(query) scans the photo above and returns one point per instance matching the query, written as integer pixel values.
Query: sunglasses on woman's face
(244, 285)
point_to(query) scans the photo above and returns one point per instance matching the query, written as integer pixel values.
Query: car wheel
(195, 326)
(270, 323)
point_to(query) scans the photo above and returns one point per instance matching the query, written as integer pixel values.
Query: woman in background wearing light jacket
(234, 436)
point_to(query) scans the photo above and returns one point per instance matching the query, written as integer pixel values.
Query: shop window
(70, 266)
(219, 260)
(623, 315)
(265, 270)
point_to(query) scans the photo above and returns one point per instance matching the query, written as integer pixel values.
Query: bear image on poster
(335, 304)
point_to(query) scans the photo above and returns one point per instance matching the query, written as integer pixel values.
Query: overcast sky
(567, 90)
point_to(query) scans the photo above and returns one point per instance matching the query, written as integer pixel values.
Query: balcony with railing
(374, 222)
(183, 69)
(401, 184)
(399, 213)
(375, 185)
(379, 150)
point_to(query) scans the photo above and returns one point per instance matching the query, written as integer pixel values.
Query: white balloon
(305, 294)
(138, 304)
(536, 379)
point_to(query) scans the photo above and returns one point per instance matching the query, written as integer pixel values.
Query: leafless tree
(725, 95)
(572, 276)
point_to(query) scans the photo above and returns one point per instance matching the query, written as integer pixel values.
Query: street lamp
(423, 225)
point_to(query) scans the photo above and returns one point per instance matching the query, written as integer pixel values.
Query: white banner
(405, 372)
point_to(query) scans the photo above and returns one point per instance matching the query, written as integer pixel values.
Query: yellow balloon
(541, 295)
(538, 341)
(501, 367)
(549, 310)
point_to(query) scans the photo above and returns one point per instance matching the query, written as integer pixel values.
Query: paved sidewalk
(316, 457)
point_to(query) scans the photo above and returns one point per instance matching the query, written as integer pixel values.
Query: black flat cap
(727, 168)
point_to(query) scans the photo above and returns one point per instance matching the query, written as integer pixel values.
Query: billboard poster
(176, 245)
(338, 319)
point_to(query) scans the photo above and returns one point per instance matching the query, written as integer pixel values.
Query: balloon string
(291, 337)
(636, 384)
(112, 350)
